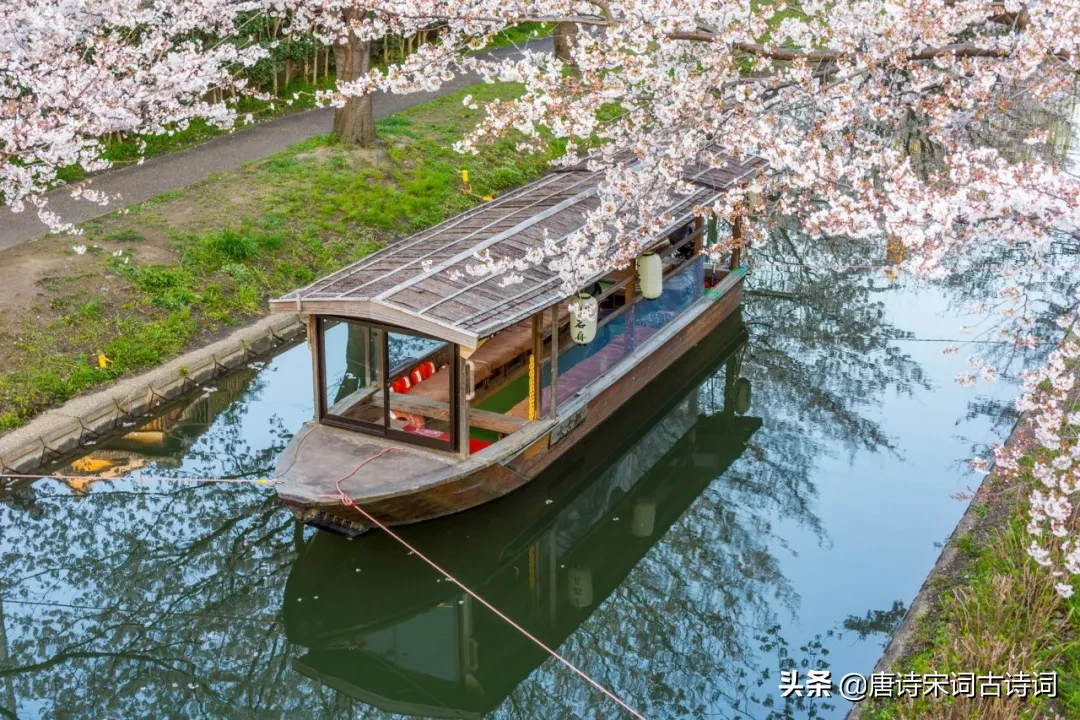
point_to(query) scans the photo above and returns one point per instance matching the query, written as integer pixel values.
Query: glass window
(420, 386)
(352, 374)
(387, 381)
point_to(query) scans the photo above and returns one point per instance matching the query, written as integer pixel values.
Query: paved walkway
(136, 183)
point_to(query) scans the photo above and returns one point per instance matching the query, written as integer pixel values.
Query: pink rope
(139, 478)
(349, 503)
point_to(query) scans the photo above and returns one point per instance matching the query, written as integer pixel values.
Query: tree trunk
(354, 123)
(565, 38)
(273, 60)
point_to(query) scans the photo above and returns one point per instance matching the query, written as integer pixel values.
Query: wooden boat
(391, 637)
(438, 389)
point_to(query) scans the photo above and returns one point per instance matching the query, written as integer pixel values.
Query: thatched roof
(421, 283)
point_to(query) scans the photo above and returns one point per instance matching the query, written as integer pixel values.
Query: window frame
(384, 430)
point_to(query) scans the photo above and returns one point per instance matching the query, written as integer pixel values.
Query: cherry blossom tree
(354, 122)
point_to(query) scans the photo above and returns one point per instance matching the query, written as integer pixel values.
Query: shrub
(230, 245)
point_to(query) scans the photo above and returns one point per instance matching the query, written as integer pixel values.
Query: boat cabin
(413, 346)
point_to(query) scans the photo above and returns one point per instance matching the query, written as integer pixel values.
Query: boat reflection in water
(385, 629)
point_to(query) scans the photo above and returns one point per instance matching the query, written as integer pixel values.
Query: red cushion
(478, 445)
(474, 444)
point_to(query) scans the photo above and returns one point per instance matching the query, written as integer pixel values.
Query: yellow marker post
(532, 388)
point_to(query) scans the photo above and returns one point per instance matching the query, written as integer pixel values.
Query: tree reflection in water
(127, 600)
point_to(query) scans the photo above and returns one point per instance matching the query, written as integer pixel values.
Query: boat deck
(321, 454)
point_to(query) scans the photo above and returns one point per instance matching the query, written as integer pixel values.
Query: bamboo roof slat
(428, 281)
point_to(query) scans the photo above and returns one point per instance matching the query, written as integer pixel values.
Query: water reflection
(389, 631)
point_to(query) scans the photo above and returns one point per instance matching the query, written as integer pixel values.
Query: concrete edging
(82, 420)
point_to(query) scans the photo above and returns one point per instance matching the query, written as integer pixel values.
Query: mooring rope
(347, 501)
(136, 478)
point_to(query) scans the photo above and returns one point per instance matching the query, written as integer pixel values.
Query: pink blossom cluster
(1045, 453)
(74, 71)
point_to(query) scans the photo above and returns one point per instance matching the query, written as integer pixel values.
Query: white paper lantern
(583, 319)
(650, 275)
(742, 395)
(580, 590)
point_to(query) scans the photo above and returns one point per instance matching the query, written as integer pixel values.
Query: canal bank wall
(79, 422)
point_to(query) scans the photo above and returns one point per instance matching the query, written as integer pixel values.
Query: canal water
(682, 557)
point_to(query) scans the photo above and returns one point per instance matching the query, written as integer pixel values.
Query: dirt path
(136, 183)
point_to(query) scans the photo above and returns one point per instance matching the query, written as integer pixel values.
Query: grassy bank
(180, 270)
(995, 611)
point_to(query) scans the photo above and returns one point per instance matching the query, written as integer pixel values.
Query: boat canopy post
(316, 364)
(737, 236)
(536, 367)
(464, 394)
(552, 399)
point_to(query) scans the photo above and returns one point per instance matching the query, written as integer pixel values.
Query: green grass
(238, 239)
(126, 236)
(56, 376)
(519, 34)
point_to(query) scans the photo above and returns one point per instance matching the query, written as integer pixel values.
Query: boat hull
(497, 479)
